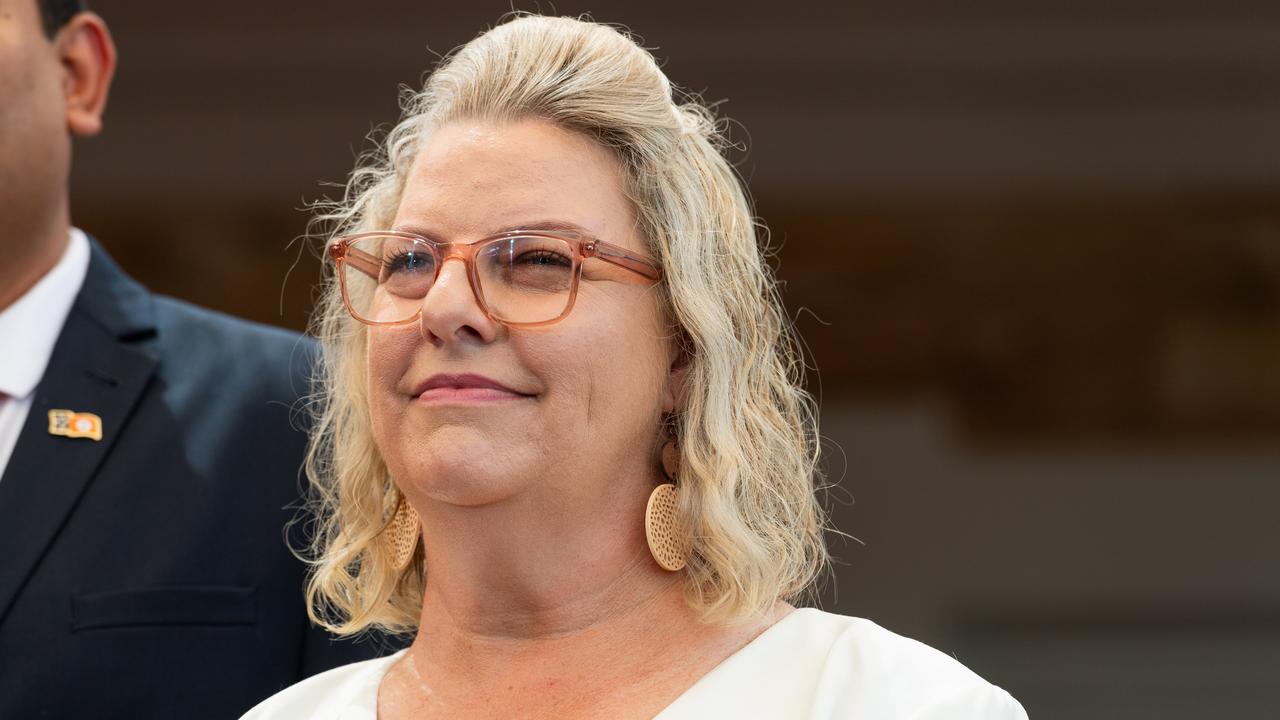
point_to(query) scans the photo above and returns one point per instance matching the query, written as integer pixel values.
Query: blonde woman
(564, 439)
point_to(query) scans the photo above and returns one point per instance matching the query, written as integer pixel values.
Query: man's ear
(88, 58)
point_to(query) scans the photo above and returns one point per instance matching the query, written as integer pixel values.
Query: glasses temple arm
(362, 261)
(622, 258)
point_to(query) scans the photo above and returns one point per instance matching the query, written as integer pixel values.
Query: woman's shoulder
(349, 692)
(899, 672)
(822, 665)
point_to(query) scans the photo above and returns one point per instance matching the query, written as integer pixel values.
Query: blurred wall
(1033, 248)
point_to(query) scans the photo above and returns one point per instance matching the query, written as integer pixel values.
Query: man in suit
(148, 462)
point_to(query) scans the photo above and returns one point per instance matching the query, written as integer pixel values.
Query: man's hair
(57, 13)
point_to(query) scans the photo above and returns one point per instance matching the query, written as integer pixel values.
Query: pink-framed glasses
(522, 278)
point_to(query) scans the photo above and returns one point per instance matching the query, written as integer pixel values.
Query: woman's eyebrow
(553, 225)
(544, 225)
(417, 230)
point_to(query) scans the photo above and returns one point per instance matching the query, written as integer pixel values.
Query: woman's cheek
(383, 373)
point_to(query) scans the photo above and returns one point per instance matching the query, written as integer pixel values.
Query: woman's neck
(535, 605)
(578, 634)
(631, 661)
(524, 570)
(507, 617)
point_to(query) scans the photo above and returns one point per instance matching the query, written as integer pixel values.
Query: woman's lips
(465, 388)
(467, 395)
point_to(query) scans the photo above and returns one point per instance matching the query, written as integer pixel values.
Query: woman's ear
(677, 372)
(88, 57)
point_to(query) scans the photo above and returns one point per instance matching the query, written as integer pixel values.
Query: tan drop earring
(668, 542)
(401, 535)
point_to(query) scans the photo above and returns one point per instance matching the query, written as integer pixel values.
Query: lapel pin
(68, 423)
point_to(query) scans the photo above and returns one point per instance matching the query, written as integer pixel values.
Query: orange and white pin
(72, 424)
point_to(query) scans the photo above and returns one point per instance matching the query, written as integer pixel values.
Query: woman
(564, 439)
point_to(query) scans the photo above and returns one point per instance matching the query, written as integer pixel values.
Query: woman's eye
(407, 261)
(538, 258)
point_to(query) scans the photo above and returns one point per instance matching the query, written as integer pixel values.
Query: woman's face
(569, 409)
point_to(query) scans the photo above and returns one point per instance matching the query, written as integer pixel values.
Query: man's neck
(29, 256)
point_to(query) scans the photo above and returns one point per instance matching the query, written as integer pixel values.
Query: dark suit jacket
(146, 575)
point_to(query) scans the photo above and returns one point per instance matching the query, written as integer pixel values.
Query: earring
(401, 535)
(668, 544)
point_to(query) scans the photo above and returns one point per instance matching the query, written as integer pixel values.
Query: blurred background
(1033, 248)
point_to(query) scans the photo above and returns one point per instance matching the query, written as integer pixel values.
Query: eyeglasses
(519, 278)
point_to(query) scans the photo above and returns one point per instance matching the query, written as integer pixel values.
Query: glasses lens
(386, 277)
(526, 279)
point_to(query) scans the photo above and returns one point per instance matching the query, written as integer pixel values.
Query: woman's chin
(466, 492)
(466, 476)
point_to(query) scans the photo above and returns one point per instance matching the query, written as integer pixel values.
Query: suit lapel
(98, 366)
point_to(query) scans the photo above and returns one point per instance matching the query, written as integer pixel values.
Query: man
(147, 459)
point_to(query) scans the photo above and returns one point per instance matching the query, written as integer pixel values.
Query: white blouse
(810, 665)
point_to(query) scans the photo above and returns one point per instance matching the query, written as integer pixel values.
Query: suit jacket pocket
(172, 605)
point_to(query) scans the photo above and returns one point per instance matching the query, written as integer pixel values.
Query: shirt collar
(30, 326)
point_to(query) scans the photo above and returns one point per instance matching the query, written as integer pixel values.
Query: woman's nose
(451, 309)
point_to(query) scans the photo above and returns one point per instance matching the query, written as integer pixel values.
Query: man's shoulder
(220, 358)
(130, 311)
(182, 322)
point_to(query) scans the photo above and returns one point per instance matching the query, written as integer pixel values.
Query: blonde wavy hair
(746, 428)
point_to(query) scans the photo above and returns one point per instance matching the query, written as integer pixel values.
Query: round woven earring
(668, 542)
(401, 534)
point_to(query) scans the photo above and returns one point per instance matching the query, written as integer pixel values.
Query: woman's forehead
(480, 178)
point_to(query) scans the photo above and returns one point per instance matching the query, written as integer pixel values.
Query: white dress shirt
(811, 665)
(29, 328)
